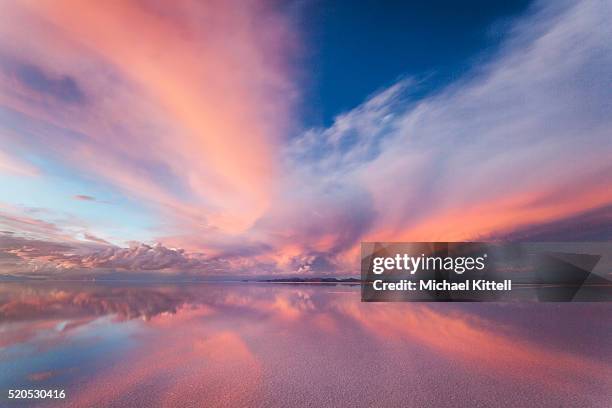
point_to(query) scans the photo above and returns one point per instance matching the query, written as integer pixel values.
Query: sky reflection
(281, 345)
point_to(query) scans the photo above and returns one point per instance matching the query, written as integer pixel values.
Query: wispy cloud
(198, 134)
(175, 114)
(93, 238)
(13, 165)
(522, 140)
(83, 197)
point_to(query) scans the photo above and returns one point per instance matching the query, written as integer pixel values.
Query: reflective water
(296, 345)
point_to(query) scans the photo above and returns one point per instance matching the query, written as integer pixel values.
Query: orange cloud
(209, 101)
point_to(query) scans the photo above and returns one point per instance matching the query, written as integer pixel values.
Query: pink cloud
(207, 113)
(12, 165)
(83, 197)
(53, 257)
(195, 128)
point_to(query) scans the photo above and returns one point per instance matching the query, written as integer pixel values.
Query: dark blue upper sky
(358, 47)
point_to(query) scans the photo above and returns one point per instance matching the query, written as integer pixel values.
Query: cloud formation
(168, 109)
(56, 258)
(197, 130)
(524, 140)
(84, 197)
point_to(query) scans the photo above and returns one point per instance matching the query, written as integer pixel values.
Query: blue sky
(357, 48)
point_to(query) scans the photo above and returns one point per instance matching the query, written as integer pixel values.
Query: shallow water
(296, 345)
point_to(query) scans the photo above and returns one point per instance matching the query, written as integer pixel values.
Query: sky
(261, 138)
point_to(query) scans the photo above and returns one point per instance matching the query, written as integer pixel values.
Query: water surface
(284, 345)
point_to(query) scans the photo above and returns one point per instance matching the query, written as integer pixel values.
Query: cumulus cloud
(47, 256)
(140, 257)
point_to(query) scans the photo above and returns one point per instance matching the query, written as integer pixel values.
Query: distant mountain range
(146, 277)
(312, 280)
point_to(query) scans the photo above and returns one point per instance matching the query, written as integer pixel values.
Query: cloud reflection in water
(280, 345)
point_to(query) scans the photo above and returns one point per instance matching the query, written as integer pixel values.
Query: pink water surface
(278, 345)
